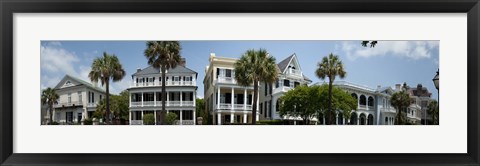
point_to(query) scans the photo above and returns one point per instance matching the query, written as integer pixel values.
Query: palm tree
(254, 67)
(331, 67)
(400, 100)
(106, 68)
(50, 97)
(433, 111)
(163, 55)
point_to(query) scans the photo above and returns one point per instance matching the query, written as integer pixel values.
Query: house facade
(78, 100)
(374, 105)
(225, 100)
(145, 94)
(290, 75)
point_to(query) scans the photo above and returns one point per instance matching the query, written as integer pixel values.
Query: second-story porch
(236, 99)
(154, 99)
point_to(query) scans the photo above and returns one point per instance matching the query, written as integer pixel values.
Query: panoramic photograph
(239, 82)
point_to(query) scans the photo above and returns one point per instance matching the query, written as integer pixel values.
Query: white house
(145, 94)
(290, 75)
(226, 101)
(374, 105)
(78, 100)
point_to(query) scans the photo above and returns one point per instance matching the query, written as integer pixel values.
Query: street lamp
(436, 81)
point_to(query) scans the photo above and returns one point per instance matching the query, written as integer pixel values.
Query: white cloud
(117, 87)
(58, 60)
(47, 81)
(409, 49)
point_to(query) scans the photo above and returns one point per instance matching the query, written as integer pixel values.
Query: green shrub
(148, 119)
(171, 117)
(88, 121)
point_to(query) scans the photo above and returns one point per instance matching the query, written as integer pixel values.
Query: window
(386, 120)
(363, 100)
(218, 72)
(93, 97)
(276, 83)
(261, 108)
(69, 98)
(286, 83)
(100, 97)
(79, 117)
(79, 96)
(69, 116)
(228, 73)
(266, 89)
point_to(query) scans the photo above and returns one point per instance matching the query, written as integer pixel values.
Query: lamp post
(436, 81)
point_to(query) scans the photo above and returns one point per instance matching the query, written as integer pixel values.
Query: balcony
(281, 89)
(69, 104)
(296, 73)
(159, 83)
(240, 107)
(159, 103)
(228, 80)
(391, 109)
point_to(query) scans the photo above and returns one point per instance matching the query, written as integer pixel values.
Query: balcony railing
(69, 104)
(136, 122)
(297, 73)
(235, 106)
(227, 80)
(184, 122)
(159, 103)
(167, 83)
(281, 89)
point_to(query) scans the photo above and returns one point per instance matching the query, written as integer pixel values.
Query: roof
(80, 81)
(152, 70)
(306, 78)
(284, 63)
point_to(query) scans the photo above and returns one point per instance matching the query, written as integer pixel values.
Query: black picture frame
(9, 7)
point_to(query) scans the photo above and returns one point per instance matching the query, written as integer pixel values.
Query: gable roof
(284, 63)
(79, 81)
(152, 70)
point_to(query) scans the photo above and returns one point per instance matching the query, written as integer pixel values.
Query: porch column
(181, 117)
(194, 97)
(233, 98)
(218, 98)
(142, 117)
(324, 120)
(336, 118)
(245, 99)
(168, 96)
(129, 117)
(194, 118)
(181, 97)
(154, 99)
(130, 99)
(142, 99)
(155, 116)
(231, 117)
(358, 119)
(219, 119)
(244, 118)
(344, 121)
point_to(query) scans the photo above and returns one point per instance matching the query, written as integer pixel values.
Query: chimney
(138, 70)
(419, 86)
(182, 62)
(397, 86)
(378, 86)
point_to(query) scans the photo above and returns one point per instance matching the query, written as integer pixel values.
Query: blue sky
(387, 64)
